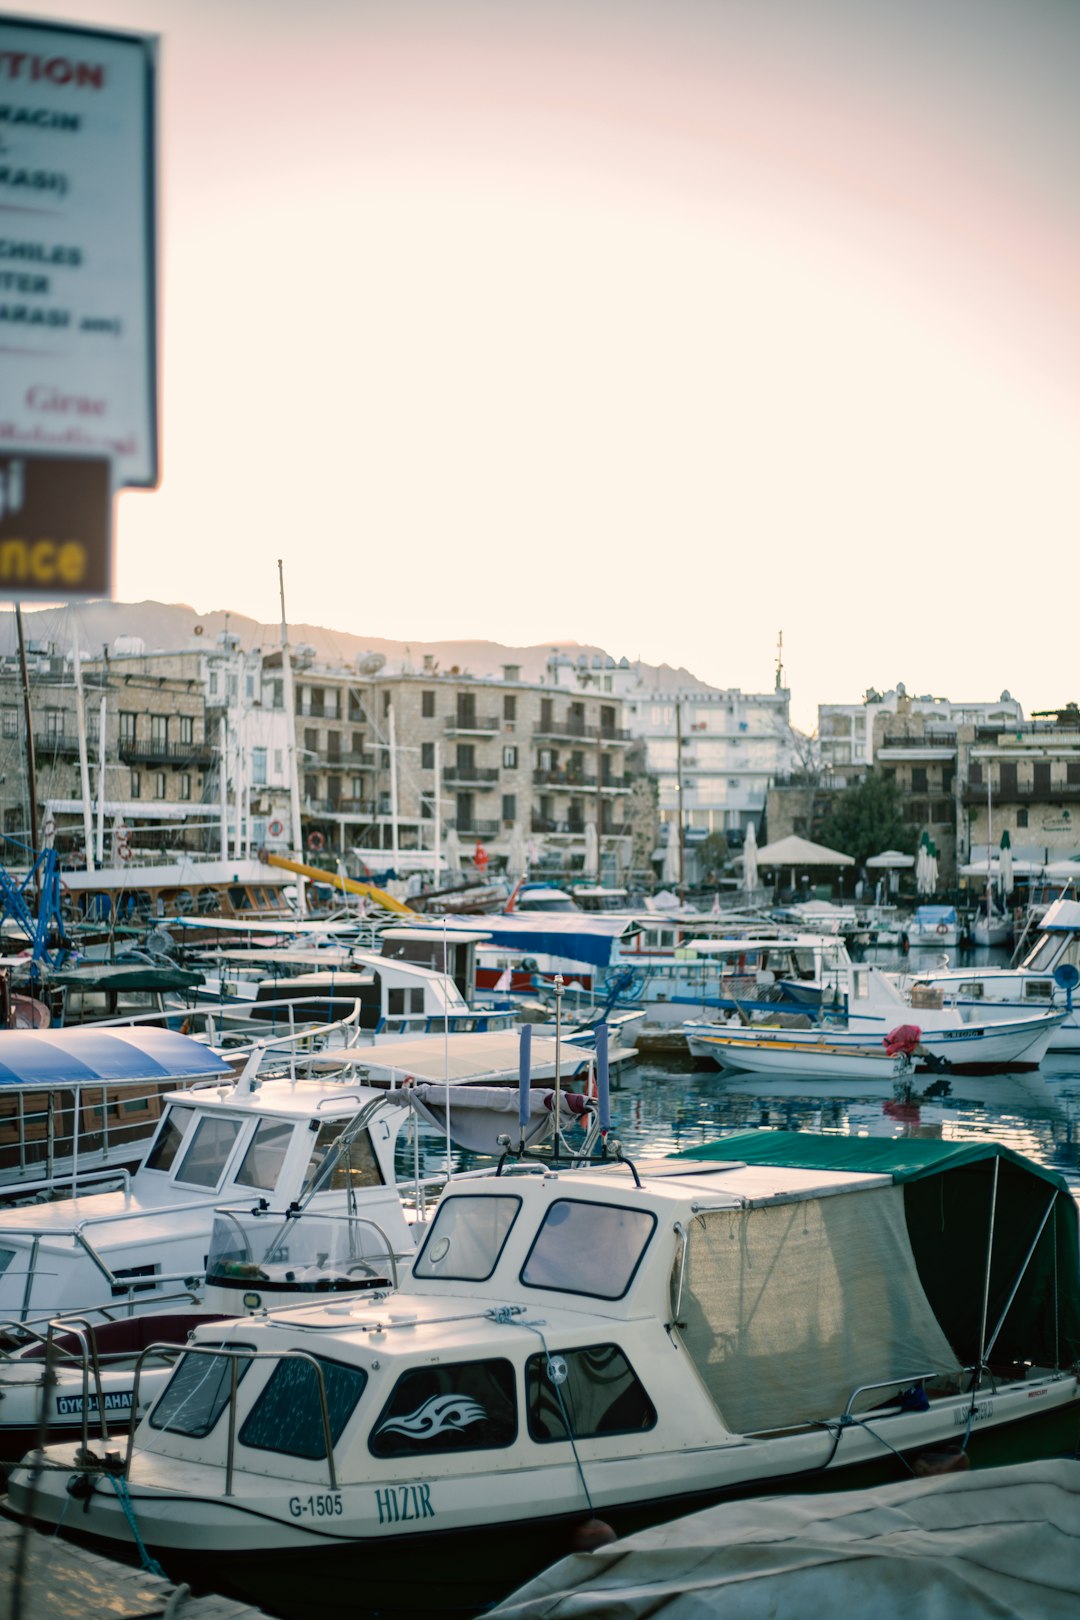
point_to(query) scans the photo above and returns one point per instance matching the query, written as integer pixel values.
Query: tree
(868, 818)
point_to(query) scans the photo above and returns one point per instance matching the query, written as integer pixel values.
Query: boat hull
(242, 1548)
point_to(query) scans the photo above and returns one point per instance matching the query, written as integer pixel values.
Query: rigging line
(536, 1327)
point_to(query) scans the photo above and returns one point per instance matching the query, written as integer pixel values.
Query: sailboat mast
(290, 733)
(31, 773)
(84, 763)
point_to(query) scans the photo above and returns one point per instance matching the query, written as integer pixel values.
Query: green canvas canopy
(950, 1190)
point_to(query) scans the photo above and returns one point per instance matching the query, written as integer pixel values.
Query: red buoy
(591, 1534)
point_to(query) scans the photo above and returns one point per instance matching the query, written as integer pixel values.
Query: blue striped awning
(66, 1057)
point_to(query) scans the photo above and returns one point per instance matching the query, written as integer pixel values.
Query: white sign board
(78, 318)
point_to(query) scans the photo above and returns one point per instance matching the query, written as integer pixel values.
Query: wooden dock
(66, 1582)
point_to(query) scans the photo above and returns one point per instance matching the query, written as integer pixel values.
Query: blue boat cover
(930, 916)
(577, 938)
(87, 1056)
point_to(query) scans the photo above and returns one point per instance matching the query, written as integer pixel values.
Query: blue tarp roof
(935, 914)
(64, 1057)
(581, 938)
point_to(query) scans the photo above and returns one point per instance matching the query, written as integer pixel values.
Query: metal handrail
(235, 1356)
(890, 1383)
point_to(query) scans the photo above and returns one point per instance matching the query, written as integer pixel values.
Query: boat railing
(16, 1334)
(234, 1357)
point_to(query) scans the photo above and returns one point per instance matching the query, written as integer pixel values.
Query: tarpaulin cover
(575, 938)
(994, 1544)
(947, 1196)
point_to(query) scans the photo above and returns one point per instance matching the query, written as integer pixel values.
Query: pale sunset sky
(657, 325)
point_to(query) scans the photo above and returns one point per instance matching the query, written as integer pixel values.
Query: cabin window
(208, 1154)
(587, 1248)
(400, 1002)
(287, 1416)
(1038, 990)
(1043, 957)
(973, 988)
(466, 1406)
(261, 1164)
(467, 1237)
(196, 1394)
(594, 1390)
(121, 1288)
(356, 1167)
(169, 1138)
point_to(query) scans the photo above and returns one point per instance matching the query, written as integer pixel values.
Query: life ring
(315, 841)
(943, 928)
(276, 828)
(125, 852)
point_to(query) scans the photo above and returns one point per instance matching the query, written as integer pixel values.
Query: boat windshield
(586, 1248)
(169, 1137)
(467, 1237)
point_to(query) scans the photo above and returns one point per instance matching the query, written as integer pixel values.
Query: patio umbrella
(1006, 864)
(670, 872)
(591, 866)
(922, 875)
(452, 852)
(931, 869)
(750, 859)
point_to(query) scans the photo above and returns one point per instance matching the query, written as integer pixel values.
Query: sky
(663, 325)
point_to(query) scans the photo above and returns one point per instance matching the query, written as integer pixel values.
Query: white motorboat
(979, 991)
(933, 926)
(599, 1340)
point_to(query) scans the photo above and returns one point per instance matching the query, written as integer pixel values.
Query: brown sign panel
(55, 527)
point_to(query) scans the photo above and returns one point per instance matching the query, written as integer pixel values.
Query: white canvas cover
(995, 1544)
(790, 1307)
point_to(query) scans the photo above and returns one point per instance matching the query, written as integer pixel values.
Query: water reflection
(665, 1108)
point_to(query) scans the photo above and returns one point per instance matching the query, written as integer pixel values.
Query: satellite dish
(160, 944)
(370, 663)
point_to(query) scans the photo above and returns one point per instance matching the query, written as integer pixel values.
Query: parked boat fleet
(274, 1336)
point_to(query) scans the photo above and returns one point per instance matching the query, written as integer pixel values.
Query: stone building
(385, 755)
(1023, 778)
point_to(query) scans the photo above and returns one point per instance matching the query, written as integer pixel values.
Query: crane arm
(318, 874)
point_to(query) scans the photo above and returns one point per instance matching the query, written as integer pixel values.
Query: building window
(510, 757)
(11, 722)
(427, 705)
(509, 808)
(136, 784)
(918, 779)
(311, 787)
(509, 706)
(54, 722)
(258, 767)
(213, 683)
(159, 730)
(159, 785)
(427, 756)
(127, 727)
(1022, 816)
(279, 762)
(187, 729)
(185, 784)
(386, 703)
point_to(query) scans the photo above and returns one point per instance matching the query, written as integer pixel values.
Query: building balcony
(343, 761)
(484, 777)
(475, 828)
(568, 780)
(574, 730)
(974, 793)
(166, 753)
(555, 824)
(66, 743)
(469, 724)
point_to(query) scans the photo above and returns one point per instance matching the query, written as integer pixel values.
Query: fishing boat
(605, 1341)
(852, 1036)
(933, 926)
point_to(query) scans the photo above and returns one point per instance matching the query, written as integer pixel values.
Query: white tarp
(994, 1544)
(791, 1307)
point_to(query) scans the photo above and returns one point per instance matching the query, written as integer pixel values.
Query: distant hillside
(171, 626)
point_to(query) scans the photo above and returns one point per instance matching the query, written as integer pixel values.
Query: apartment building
(1023, 778)
(846, 730)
